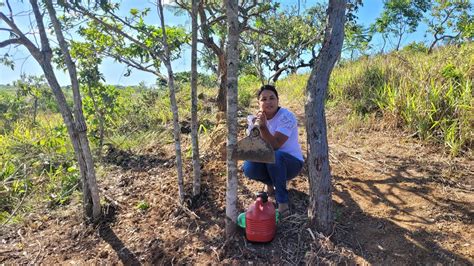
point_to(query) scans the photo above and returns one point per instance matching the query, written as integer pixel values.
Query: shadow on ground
(381, 240)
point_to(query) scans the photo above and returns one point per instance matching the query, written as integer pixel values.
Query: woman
(279, 127)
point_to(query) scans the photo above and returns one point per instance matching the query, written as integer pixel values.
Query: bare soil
(396, 201)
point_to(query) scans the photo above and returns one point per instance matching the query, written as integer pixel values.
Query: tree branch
(5, 29)
(135, 64)
(9, 42)
(205, 29)
(45, 48)
(114, 29)
(10, 9)
(21, 37)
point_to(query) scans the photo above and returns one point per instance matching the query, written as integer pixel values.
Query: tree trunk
(35, 109)
(219, 51)
(384, 43)
(232, 92)
(174, 106)
(194, 110)
(222, 93)
(278, 73)
(399, 42)
(80, 123)
(320, 209)
(101, 135)
(101, 120)
(430, 50)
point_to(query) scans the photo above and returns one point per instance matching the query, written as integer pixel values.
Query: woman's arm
(276, 140)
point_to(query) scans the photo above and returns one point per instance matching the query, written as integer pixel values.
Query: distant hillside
(428, 94)
(6, 87)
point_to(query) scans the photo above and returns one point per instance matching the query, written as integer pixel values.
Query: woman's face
(268, 103)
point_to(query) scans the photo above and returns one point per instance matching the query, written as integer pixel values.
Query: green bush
(36, 162)
(248, 87)
(430, 94)
(416, 47)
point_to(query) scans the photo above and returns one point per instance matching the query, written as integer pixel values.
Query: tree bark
(75, 126)
(80, 123)
(101, 117)
(219, 51)
(174, 106)
(320, 209)
(430, 50)
(194, 110)
(222, 80)
(35, 109)
(232, 92)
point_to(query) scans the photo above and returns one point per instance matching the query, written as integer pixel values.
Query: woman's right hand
(262, 120)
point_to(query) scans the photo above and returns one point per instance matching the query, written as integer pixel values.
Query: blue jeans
(285, 168)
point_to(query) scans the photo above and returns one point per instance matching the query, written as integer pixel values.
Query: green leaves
(400, 17)
(7, 61)
(356, 39)
(142, 206)
(451, 21)
(134, 12)
(131, 40)
(282, 38)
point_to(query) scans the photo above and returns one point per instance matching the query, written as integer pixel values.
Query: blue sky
(113, 72)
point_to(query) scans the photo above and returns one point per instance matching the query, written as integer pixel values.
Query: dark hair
(267, 88)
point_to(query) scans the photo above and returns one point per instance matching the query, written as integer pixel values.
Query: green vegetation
(430, 96)
(37, 164)
(143, 206)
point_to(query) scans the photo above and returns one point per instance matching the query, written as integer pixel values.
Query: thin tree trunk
(194, 118)
(101, 121)
(232, 92)
(35, 109)
(399, 42)
(174, 106)
(400, 36)
(221, 57)
(320, 209)
(258, 63)
(222, 93)
(88, 203)
(278, 73)
(430, 50)
(384, 43)
(80, 124)
(76, 128)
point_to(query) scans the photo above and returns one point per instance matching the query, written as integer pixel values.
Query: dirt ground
(396, 201)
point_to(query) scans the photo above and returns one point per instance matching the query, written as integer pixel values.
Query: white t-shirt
(284, 122)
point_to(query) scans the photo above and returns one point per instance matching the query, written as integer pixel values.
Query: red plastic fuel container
(260, 220)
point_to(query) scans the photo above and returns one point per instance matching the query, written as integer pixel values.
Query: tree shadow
(401, 177)
(107, 234)
(128, 160)
(379, 240)
(125, 255)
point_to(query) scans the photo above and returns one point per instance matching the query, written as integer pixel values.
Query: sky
(114, 72)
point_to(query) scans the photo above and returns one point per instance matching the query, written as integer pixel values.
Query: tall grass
(293, 86)
(36, 161)
(430, 95)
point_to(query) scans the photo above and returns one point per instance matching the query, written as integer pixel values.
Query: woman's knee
(279, 156)
(250, 169)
